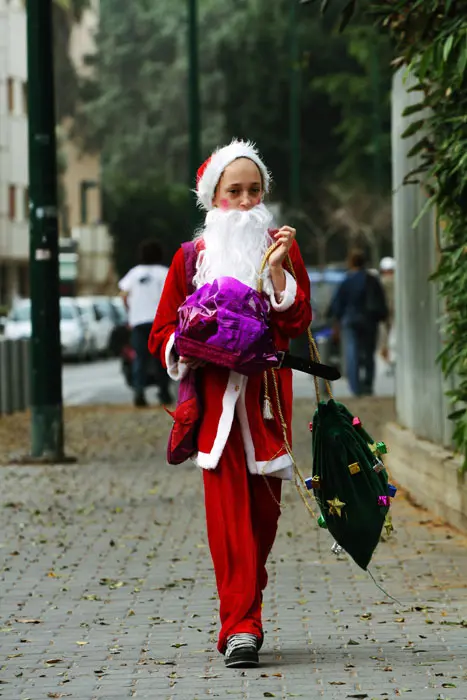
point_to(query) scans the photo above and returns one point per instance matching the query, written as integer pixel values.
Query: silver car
(73, 334)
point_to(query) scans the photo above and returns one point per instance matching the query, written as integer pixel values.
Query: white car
(73, 336)
(99, 325)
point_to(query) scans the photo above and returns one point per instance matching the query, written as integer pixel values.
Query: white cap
(387, 264)
(211, 171)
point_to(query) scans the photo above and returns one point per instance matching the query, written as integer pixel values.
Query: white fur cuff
(287, 296)
(175, 369)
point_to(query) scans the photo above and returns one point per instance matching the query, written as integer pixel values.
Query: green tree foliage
(65, 14)
(137, 210)
(135, 108)
(430, 39)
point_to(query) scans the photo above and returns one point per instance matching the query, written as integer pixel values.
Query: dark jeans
(144, 361)
(360, 349)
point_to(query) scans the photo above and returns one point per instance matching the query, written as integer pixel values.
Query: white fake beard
(235, 243)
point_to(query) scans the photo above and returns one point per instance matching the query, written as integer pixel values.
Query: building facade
(14, 177)
(82, 179)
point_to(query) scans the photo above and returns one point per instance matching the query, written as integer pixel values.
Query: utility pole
(294, 107)
(46, 363)
(193, 101)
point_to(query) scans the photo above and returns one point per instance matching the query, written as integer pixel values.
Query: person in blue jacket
(359, 306)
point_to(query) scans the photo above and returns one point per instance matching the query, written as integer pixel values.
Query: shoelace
(244, 639)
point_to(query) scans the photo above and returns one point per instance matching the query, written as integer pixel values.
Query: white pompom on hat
(211, 171)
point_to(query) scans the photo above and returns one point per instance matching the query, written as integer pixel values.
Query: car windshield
(103, 307)
(21, 313)
(66, 312)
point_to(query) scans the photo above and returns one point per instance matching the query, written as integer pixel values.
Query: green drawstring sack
(349, 481)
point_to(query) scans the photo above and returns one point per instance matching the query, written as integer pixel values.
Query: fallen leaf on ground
(178, 645)
(82, 644)
(165, 663)
(54, 661)
(28, 621)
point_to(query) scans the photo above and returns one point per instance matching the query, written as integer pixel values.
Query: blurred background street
(102, 382)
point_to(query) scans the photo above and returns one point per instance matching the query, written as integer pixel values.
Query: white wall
(420, 388)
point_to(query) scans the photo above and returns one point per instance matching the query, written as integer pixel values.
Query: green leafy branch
(430, 38)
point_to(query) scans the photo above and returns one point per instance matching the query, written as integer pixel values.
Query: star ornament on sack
(335, 506)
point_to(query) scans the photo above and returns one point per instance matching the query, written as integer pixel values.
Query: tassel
(267, 409)
(267, 405)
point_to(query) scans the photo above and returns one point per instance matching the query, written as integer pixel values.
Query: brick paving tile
(107, 592)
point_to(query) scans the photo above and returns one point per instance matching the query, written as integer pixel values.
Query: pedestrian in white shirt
(141, 289)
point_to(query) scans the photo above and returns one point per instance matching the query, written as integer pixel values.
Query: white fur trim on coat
(235, 387)
(280, 466)
(175, 368)
(287, 296)
(220, 159)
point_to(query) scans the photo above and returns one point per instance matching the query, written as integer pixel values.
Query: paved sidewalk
(107, 592)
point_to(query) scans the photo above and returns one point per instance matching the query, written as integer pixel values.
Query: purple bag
(187, 415)
(226, 323)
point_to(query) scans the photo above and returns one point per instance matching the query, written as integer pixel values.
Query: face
(240, 186)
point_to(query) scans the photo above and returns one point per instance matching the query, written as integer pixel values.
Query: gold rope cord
(315, 357)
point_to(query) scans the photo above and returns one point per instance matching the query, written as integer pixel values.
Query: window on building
(25, 98)
(12, 202)
(11, 95)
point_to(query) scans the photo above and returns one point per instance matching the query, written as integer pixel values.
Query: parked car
(98, 324)
(73, 333)
(111, 314)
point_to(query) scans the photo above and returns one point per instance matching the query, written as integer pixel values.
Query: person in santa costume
(241, 446)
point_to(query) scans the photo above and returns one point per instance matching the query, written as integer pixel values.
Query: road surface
(103, 383)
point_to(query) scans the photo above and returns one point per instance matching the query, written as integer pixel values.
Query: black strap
(317, 369)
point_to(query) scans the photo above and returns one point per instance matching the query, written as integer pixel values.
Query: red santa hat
(211, 171)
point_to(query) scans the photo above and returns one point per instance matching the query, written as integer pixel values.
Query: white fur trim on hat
(218, 162)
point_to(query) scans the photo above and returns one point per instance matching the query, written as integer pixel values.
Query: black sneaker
(242, 651)
(140, 401)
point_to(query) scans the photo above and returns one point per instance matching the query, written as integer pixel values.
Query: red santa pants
(241, 517)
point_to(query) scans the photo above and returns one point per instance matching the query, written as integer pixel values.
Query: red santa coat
(225, 393)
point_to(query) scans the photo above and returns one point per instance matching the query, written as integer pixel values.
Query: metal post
(6, 380)
(83, 196)
(193, 101)
(46, 389)
(294, 108)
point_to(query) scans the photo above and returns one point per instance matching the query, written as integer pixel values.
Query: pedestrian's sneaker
(242, 651)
